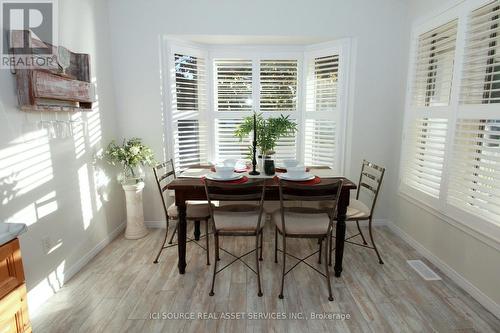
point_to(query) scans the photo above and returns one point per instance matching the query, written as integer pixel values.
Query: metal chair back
(370, 181)
(164, 173)
(250, 191)
(329, 192)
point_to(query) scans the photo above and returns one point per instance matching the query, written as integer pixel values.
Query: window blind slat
(425, 155)
(475, 175)
(481, 71)
(434, 63)
(234, 84)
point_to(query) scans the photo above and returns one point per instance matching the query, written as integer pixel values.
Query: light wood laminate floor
(120, 288)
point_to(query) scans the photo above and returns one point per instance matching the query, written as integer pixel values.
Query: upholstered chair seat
(194, 210)
(302, 221)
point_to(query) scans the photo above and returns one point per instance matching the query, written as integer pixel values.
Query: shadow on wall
(58, 187)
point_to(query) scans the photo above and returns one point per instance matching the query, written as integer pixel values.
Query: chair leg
(217, 257)
(216, 250)
(175, 231)
(257, 259)
(320, 240)
(163, 244)
(276, 244)
(207, 240)
(361, 233)
(261, 244)
(284, 266)
(330, 250)
(330, 296)
(373, 242)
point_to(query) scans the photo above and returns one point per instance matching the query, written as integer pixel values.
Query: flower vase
(131, 175)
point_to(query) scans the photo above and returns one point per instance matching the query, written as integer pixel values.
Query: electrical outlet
(47, 244)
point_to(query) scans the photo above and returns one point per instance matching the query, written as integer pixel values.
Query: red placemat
(314, 181)
(242, 180)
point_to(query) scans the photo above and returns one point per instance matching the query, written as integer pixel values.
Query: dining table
(189, 186)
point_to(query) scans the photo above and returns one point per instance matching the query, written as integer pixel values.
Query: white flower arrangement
(131, 155)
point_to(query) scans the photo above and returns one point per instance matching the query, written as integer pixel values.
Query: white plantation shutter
(278, 93)
(475, 175)
(452, 148)
(278, 85)
(322, 82)
(434, 66)
(475, 168)
(234, 89)
(189, 105)
(425, 155)
(425, 141)
(320, 142)
(227, 145)
(481, 72)
(234, 84)
(286, 148)
(320, 129)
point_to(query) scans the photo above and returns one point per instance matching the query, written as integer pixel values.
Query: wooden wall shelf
(52, 88)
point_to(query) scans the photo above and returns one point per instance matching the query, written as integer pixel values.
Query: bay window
(211, 90)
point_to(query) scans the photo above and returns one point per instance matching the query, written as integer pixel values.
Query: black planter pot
(269, 167)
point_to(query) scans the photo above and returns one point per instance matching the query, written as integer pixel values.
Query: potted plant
(269, 131)
(131, 156)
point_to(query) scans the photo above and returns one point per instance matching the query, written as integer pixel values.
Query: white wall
(471, 257)
(57, 186)
(379, 28)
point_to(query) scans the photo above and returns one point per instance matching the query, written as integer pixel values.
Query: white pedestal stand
(135, 213)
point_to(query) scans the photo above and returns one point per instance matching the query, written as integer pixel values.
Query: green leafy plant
(130, 155)
(268, 131)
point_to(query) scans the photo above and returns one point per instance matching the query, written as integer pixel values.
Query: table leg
(340, 231)
(181, 238)
(197, 231)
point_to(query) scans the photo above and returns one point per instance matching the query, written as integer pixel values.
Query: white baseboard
(77, 266)
(157, 224)
(376, 222)
(161, 224)
(472, 290)
(40, 293)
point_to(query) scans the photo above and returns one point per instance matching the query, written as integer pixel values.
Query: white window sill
(486, 232)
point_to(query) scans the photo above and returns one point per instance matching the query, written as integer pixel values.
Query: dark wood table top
(195, 183)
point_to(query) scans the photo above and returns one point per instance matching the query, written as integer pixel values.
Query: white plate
(306, 176)
(214, 176)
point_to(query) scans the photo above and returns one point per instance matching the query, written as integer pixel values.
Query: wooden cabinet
(13, 300)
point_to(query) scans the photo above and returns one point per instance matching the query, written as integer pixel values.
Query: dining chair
(195, 210)
(361, 208)
(306, 222)
(237, 219)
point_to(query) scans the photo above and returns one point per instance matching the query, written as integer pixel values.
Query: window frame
(481, 227)
(257, 53)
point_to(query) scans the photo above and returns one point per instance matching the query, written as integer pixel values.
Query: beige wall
(472, 258)
(56, 186)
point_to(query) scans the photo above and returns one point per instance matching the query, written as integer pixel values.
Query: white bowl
(224, 171)
(230, 162)
(296, 171)
(290, 163)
